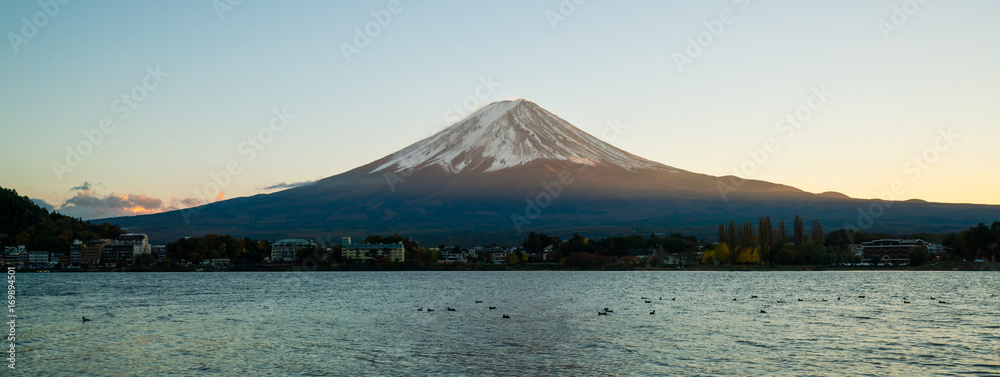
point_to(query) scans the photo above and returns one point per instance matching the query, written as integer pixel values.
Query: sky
(121, 107)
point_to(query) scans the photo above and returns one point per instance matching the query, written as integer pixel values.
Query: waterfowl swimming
(601, 313)
(906, 302)
(493, 307)
(652, 312)
(505, 316)
(451, 309)
(941, 302)
(753, 296)
(801, 299)
(649, 302)
(421, 309)
(85, 319)
(644, 298)
(824, 300)
(861, 296)
(430, 310)
(762, 311)
(479, 302)
(608, 310)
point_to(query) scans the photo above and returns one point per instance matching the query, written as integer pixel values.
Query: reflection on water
(346, 323)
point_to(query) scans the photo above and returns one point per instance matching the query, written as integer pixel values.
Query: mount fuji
(513, 167)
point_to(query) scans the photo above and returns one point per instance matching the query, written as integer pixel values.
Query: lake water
(367, 323)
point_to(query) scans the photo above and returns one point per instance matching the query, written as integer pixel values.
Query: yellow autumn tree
(749, 255)
(720, 251)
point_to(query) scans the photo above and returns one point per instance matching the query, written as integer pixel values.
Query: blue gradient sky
(606, 60)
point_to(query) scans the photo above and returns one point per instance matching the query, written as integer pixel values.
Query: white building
(364, 251)
(286, 250)
(38, 258)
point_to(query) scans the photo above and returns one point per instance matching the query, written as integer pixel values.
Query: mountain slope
(513, 167)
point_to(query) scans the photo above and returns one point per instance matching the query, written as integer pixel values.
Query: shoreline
(939, 266)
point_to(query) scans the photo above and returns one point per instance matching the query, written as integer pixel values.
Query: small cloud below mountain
(87, 204)
(42, 203)
(282, 185)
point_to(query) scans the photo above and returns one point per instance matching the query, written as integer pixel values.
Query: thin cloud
(84, 187)
(283, 185)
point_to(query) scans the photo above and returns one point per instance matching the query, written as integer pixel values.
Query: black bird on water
(801, 299)
(652, 312)
(479, 302)
(644, 298)
(649, 302)
(861, 296)
(421, 309)
(493, 307)
(505, 316)
(430, 310)
(451, 309)
(734, 299)
(941, 302)
(762, 311)
(601, 313)
(824, 300)
(753, 296)
(85, 319)
(906, 302)
(606, 310)
(673, 299)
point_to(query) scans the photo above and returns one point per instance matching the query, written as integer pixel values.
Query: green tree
(797, 231)
(145, 260)
(918, 256)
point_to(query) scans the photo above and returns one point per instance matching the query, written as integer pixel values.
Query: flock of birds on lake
(648, 300)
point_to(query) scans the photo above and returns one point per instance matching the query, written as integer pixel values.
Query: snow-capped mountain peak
(506, 134)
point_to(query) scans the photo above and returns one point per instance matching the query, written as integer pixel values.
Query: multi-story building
(365, 251)
(286, 250)
(894, 251)
(38, 258)
(75, 251)
(15, 256)
(499, 256)
(159, 251)
(137, 241)
(91, 251)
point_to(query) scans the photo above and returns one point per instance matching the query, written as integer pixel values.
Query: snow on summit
(506, 134)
